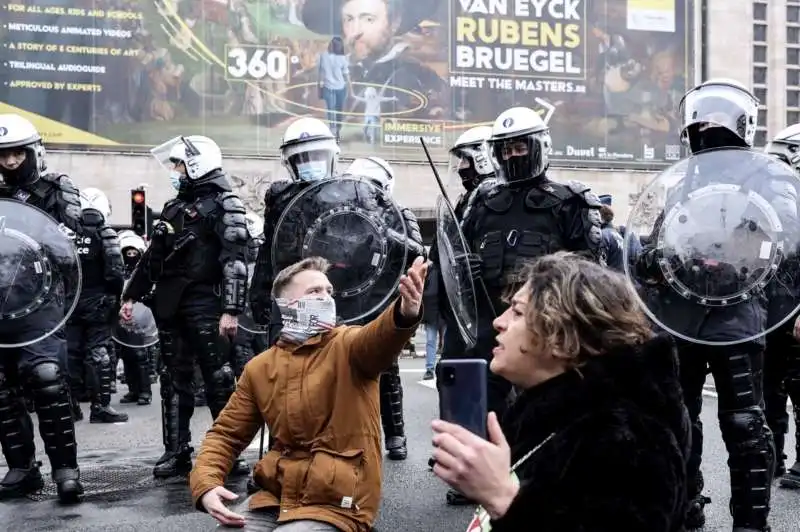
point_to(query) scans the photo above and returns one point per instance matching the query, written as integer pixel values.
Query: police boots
(791, 479)
(177, 458)
(21, 481)
(99, 374)
(391, 398)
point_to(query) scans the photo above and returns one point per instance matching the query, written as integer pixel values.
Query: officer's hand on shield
(411, 287)
(228, 325)
(475, 265)
(126, 311)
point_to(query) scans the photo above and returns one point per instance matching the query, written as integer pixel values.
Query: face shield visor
(173, 166)
(468, 166)
(369, 169)
(521, 158)
(311, 161)
(718, 107)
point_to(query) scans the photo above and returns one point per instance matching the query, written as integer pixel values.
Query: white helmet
(255, 225)
(94, 198)
(375, 169)
(309, 150)
(199, 154)
(786, 146)
(469, 157)
(724, 106)
(19, 135)
(520, 144)
(129, 239)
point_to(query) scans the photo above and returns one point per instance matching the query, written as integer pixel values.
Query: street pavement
(122, 496)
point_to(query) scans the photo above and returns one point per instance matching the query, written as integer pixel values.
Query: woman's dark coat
(616, 461)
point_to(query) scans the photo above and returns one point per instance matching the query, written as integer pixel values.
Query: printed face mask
(306, 317)
(175, 179)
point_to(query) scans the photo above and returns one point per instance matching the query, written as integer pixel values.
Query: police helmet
(309, 150)
(94, 198)
(520, 144)
(199, 154)
(375, 169)
(718, 113)
(21, 151)
(470, 158)
(786, 146)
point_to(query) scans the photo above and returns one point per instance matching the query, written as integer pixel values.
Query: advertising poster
(125, 75)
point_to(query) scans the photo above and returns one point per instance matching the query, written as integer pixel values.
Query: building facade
(757, 43)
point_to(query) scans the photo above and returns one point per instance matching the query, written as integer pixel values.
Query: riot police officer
(89, 327)
(471, 161)
(38, 368)
(309, 153)
(721, 114)
(521, 216)
(137, 361)
(391, 385)
(197, 260)
(782, 354)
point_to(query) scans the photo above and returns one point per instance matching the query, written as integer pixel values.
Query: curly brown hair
(578, 309)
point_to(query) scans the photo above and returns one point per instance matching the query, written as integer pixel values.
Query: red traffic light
(138, 197)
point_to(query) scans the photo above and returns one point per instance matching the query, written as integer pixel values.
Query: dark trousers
(782, 382)
(738, 374)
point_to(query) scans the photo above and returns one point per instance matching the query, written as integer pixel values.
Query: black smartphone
(463, 389)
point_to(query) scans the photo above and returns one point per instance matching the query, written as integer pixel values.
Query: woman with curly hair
(597, 439)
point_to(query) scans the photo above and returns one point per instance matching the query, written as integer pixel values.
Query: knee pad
(47, 379)
(222, 378)
(99, 357)
(745, 429)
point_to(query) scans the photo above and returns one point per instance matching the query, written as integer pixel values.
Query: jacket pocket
(333, 479)
(265, 473)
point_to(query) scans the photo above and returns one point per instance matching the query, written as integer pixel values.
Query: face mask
(313, 171)
(175, 178)
(306, 317)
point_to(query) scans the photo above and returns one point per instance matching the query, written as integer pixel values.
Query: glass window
(760, 75)
(759, 53)
(762, 117)
(793, 76)
(761, 138)
(761, 94)
(760, 11)
(793, 35)
(760, 32)
(793, 56)
(792, 13)
(793, 98)
(792, 117)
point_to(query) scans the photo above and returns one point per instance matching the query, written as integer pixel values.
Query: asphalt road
(116, 461)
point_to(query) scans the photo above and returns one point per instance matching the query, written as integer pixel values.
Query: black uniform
(138, 362)
(89, 328)
(738, 376)
(39, 368)
(192, 290)
(391, 386)
(265, 311)
(248, 344)
(509, 224)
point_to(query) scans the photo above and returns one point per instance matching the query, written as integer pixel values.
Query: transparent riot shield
(40, 274)
(359, 229)
(454, 264)
(246, 320)
(138, 332)
(720, 263)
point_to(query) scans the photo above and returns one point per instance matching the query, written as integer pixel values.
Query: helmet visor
(719, 106)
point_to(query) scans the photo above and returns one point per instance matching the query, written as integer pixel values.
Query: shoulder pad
(484, 187)
(231, 202)
(276, 188)
(577, 187)
(107, 232)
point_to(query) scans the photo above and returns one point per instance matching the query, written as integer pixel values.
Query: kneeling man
(317, 391)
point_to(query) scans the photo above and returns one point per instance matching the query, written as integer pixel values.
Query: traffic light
(141, 218)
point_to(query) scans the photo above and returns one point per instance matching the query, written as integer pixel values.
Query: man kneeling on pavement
(317, 391)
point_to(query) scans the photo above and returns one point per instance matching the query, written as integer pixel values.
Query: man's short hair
(286, 275)
(606, 214)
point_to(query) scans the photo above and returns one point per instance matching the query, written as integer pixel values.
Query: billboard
(607, 75)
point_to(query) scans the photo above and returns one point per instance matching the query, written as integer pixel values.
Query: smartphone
(463, 390)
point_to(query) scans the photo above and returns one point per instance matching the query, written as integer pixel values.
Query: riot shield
(359, 229)
(454, 265)
(40, 274)
(721, 247)
(138, 332)
(246, 321)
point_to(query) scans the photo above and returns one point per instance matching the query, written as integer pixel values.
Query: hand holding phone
(463, 390)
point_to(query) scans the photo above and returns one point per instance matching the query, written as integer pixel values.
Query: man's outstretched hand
(411, 287)
(213, 502)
